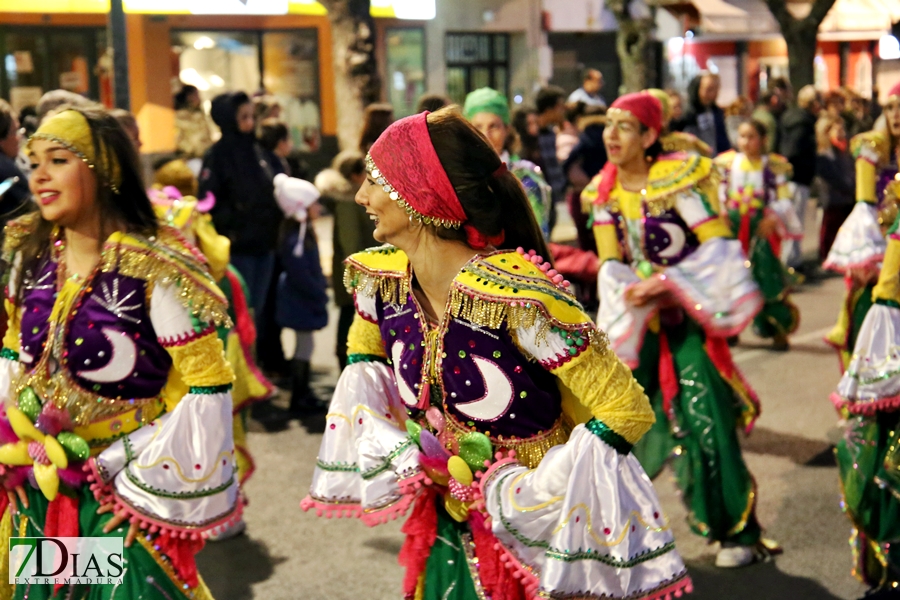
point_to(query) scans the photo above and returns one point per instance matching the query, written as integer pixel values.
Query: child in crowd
(301, 300)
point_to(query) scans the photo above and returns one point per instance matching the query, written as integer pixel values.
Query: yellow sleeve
(13, 316)
(607, 242)
(606, 387)
(865, 181)
(364, 340)
(888, 287)
(201, 363)
(216, 248)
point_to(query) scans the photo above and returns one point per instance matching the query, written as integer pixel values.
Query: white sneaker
(730, 557)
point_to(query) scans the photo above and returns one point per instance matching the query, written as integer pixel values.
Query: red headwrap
(894, 93)
(644, 107)
(647, 110)
(404, 162)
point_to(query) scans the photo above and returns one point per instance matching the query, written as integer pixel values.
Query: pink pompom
(520, 250)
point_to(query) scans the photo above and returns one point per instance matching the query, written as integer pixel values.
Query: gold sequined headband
(71, 129)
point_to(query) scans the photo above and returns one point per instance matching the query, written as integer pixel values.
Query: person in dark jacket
(18, 195)
(835, 179)
(302, 301)
(352, 233)
(583, 163)
(798, 145)
(704, 118)
(239, 173)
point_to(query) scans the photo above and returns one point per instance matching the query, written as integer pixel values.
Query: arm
(177, 473)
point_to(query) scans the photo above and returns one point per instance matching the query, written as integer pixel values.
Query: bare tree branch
(820, 10)
(779, 10)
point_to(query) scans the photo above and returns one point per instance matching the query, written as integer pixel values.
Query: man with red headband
(673, 286)
(868, 396)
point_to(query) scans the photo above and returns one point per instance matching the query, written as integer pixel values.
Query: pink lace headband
(403, 161)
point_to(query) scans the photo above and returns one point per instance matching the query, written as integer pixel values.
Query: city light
(204, 43)
(192, 77)
(888, 48)
(423, 10)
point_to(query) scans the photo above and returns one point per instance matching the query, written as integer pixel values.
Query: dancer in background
(174, 201)
(756, 199)
(462, 350)
(676, 141)
(111, 361)
(672, 287)
(860, 243)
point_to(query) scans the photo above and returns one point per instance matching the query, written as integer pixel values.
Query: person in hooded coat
(239, 173)
(704, 118)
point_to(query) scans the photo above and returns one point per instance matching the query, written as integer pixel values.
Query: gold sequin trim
(391, 286)
(529, 451)
(201, 362)
(394, 195)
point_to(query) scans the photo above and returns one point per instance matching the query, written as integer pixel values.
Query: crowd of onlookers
(277, 254)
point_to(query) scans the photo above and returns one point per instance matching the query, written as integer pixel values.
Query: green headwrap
(489, 101)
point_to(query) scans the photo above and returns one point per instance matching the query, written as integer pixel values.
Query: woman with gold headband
(672, 287)
(116, 387)
(480, 394)
(868, 395)
(860, 244)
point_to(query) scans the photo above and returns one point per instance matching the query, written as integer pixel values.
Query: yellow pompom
(55, 452)
(459, 470)
(15, 454)
(47, 480)
(456, 509)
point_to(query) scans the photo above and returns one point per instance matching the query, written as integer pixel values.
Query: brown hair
(6, 118)
(271, 133)
(377, 118)
(493, 202)
(823, 132)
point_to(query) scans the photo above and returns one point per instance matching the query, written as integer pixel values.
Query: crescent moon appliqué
(676, 240)
(408, 396)
(121, 363)
(498, 393)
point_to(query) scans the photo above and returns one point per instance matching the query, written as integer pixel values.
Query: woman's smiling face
(63, 184)
(392, 223)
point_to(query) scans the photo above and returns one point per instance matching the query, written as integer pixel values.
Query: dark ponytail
(493, 198)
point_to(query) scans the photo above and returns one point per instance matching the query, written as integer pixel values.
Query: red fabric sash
(668, 380)
(421, 532)
(61, 521)
(181, 553)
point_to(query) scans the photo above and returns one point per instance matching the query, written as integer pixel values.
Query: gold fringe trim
(167, 260)
(392, 286)
(17, 231)
(529, 451)
(876, 140)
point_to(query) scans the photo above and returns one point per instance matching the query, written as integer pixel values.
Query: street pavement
(287, 554)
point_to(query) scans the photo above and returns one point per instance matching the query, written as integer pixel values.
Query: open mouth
(47, 197)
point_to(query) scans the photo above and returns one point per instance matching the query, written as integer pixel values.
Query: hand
(646, 291)
(22, 496)
(768, 226)
(117, 520)
(863, 276)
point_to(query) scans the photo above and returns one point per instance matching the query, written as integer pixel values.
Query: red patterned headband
(403, 161)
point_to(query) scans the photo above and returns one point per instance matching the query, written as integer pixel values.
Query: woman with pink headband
(480, 395)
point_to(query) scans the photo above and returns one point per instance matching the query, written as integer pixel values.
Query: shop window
(283, 63)
(405, 58)
(476, 60)
(39, 59)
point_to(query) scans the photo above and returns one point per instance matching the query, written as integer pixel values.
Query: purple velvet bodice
(665, 238)
(109, 346)
(487, 383)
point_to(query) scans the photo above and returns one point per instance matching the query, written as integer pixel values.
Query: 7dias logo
(66, 560)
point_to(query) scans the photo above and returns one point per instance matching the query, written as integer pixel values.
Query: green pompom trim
(9, 354)
(603, 431)
(210, 389)
(358, 358)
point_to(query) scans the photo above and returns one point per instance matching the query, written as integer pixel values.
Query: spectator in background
(835, 179)
(28, 124)
(352, 232)
(53, 99)
(834, 103)
(567, 136)
(769, 104)
(432, 103)
(551, 112)
(302, 298)
(589, 92)
(126, 119)
(275, 138)
(265, 106)
(582, 164)
(192, 136)
(798, 144)
(237, 172)
(862, 116)
(376, 119)
(704, 118)
(16, 198)
(525, 122)
(737, 113)
(676, 105)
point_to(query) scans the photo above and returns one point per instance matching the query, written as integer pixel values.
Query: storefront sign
(400, 9)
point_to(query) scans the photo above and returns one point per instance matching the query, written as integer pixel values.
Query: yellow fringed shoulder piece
(17, 230)
(590, 193)
(606, 387)
(724, 160)
(168, 258)
(505, 288)
(871, 146)
(364, 337)
(201, 362)
(13, 320)
(780, 165)
(679, 141)
(888, 287)
(215, 247)
(675, 173)
(383, 270)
